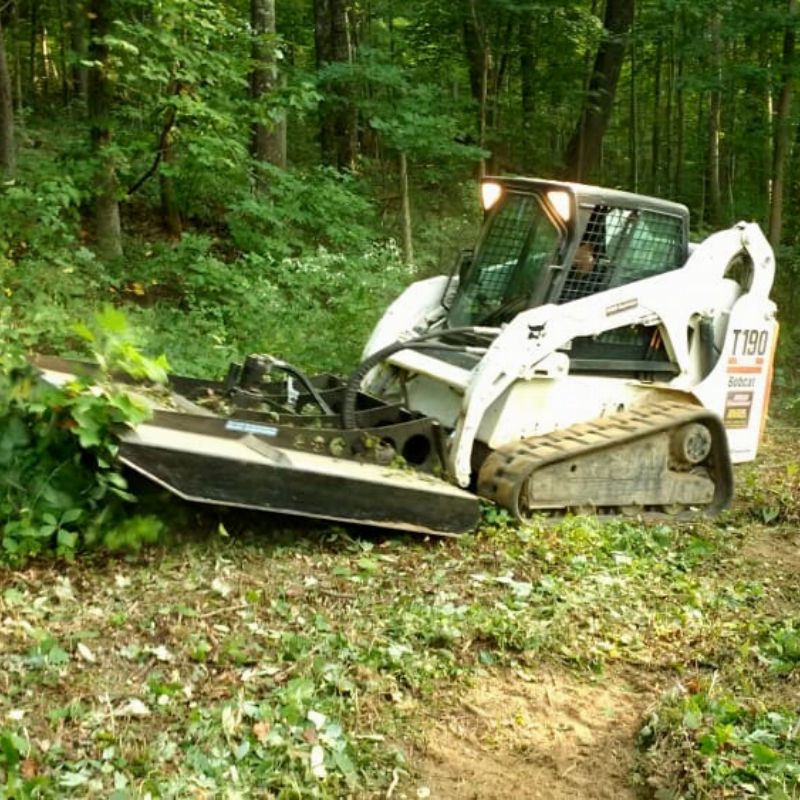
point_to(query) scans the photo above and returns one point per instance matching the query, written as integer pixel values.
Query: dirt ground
(557, 735)
(553, 736)
(779, 552)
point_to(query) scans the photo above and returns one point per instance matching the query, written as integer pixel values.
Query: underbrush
(299, 268)
(729, 727)
(60, 485)
(769, 490)
(301, 662)
(706, 742)
(203, 311)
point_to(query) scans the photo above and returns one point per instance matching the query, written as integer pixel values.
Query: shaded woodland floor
(247, 659)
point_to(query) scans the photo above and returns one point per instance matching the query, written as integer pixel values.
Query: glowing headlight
(490, 194)
(561, 202)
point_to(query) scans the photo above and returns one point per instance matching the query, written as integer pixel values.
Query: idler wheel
(691, 444)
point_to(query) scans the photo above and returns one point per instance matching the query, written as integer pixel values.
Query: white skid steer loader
(583, 357)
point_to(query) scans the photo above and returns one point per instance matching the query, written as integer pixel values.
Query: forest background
(265, 176)
(236, 173)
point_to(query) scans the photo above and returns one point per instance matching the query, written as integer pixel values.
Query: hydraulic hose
(420, 343)
(267, 363)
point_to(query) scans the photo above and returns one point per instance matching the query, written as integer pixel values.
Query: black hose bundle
(423, 342)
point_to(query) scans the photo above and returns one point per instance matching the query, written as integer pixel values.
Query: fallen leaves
(232, 662)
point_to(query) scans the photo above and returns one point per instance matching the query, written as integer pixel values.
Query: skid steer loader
(584, 356)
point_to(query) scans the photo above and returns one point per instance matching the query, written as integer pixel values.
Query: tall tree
(714, 125)
(266, 140)
(781, 135)
(8, 161)
(582, 157)
(107, 228)
(79, 75)
(338, 115)
(527, 67)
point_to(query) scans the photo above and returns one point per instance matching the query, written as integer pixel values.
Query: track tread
(508, 467)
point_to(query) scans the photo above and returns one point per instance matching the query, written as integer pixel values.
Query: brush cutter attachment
(255, 442)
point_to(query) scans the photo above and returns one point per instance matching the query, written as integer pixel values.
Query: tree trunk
(474, 51)
(498, 78)
(680, 117)
(8, 161)
(265, 140)
(527, 65)
(107, 228)
(17, 38)
(655, 138)
(781, 129)
(714, 119)
(32, 51)
(79, 77)
(405, 194)
(728, 150)
(633, 128)
(667, 172)
(338, 115)
(62, 53)
(479, 57)
(701, 146)
(763, 99)
(585, 146)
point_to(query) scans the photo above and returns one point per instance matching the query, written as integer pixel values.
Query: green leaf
(71, 515)
(708, 744)
(112, 320)
(83, 331)
(67, 539)
(692, 719)
(764, 755)
(344, 764)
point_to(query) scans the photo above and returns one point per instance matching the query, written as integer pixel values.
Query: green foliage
(772, 494)
(113, 346)
(326, 324)
(727, 746)
(14, 749)
(60, 489)
(39, 215)
(315, 310)
(189, 59)
(779, 647)
(301, 211)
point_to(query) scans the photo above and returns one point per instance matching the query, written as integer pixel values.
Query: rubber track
(506, 469)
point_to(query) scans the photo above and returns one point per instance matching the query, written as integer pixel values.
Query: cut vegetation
(244, 659)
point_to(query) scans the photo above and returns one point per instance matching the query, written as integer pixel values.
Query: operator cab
(554, 242)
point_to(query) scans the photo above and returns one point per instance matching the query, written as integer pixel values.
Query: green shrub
(316, 310)
(297, 211)
(60, 487)
(38, 215)
(708, 744)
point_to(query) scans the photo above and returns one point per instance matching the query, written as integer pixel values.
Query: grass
(306, 662)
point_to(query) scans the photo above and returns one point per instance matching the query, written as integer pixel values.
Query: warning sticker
(240, 426)
(737, 409)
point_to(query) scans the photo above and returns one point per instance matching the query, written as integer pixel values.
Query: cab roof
(595, 195)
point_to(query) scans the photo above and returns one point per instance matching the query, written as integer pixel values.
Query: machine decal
(536, 332)
(249, 427)
(756, 370)
(737, 409)
(753, 342)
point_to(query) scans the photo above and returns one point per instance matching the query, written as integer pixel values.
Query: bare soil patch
(553, 736)
(779, 549)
